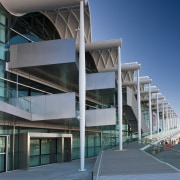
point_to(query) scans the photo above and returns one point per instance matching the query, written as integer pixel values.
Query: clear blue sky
(150, 32)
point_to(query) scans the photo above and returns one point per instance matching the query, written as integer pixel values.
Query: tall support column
(150, 112)
(139, 106)
(120, 106)
(176, 120)
(172, 115)
(175, 123)
(167, 119)
(82, 86)
(157, 112)
(172, 119)
(163, 123)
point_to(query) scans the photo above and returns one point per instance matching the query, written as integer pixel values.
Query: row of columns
(171, 118)
(170, 122)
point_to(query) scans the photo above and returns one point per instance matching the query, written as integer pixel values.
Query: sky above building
(150, 32)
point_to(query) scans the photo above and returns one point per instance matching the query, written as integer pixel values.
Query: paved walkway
(60, 171)
(132, 163)
(129, 164)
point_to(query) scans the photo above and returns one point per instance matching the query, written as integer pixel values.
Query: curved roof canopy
(64, 14)
(21, 7)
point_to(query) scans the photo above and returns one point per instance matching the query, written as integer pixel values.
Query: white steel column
(157, 112)
(163, 123)
(139, 106)
(172, 119)
(167, 119)
(82, 86)
(150, 112)
(177, 120)
(120, 99)
(168, 115)
(175, 124)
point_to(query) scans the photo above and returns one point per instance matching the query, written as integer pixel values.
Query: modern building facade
(40, 83)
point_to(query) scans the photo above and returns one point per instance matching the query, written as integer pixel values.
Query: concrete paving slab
(59, 171)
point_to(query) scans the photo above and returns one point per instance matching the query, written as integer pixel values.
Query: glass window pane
(48, 146)
(2, 51)
(45, 159)
(2, 144)
(35, 161)
(2, 19)
(2, 33)
(45, 146)
(34, 147)
(2, 162)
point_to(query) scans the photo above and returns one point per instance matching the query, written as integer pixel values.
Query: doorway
(3, 153)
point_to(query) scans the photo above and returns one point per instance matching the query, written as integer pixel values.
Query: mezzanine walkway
(133, 163)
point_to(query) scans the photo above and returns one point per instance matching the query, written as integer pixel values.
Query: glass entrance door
(3, 153)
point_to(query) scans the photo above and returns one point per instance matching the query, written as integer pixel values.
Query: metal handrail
(97, 166)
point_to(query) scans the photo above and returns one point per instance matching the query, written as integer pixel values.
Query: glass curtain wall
(4, 32)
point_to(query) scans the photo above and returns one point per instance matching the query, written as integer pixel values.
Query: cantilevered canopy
(105, 54)
(21, 7)
(63, 14)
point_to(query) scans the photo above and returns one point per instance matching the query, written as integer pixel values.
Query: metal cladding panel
(42, 53)
(100, 117)
(55, 106)
(103, 80)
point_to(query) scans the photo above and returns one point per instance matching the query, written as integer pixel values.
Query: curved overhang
(154, 98)
(21, 7)
(134, 83)
(104, 53)
(64, 15)
(130, 66)
(103, 45)
(153, 91)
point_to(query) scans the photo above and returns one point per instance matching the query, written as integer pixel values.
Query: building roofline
(21, 7)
